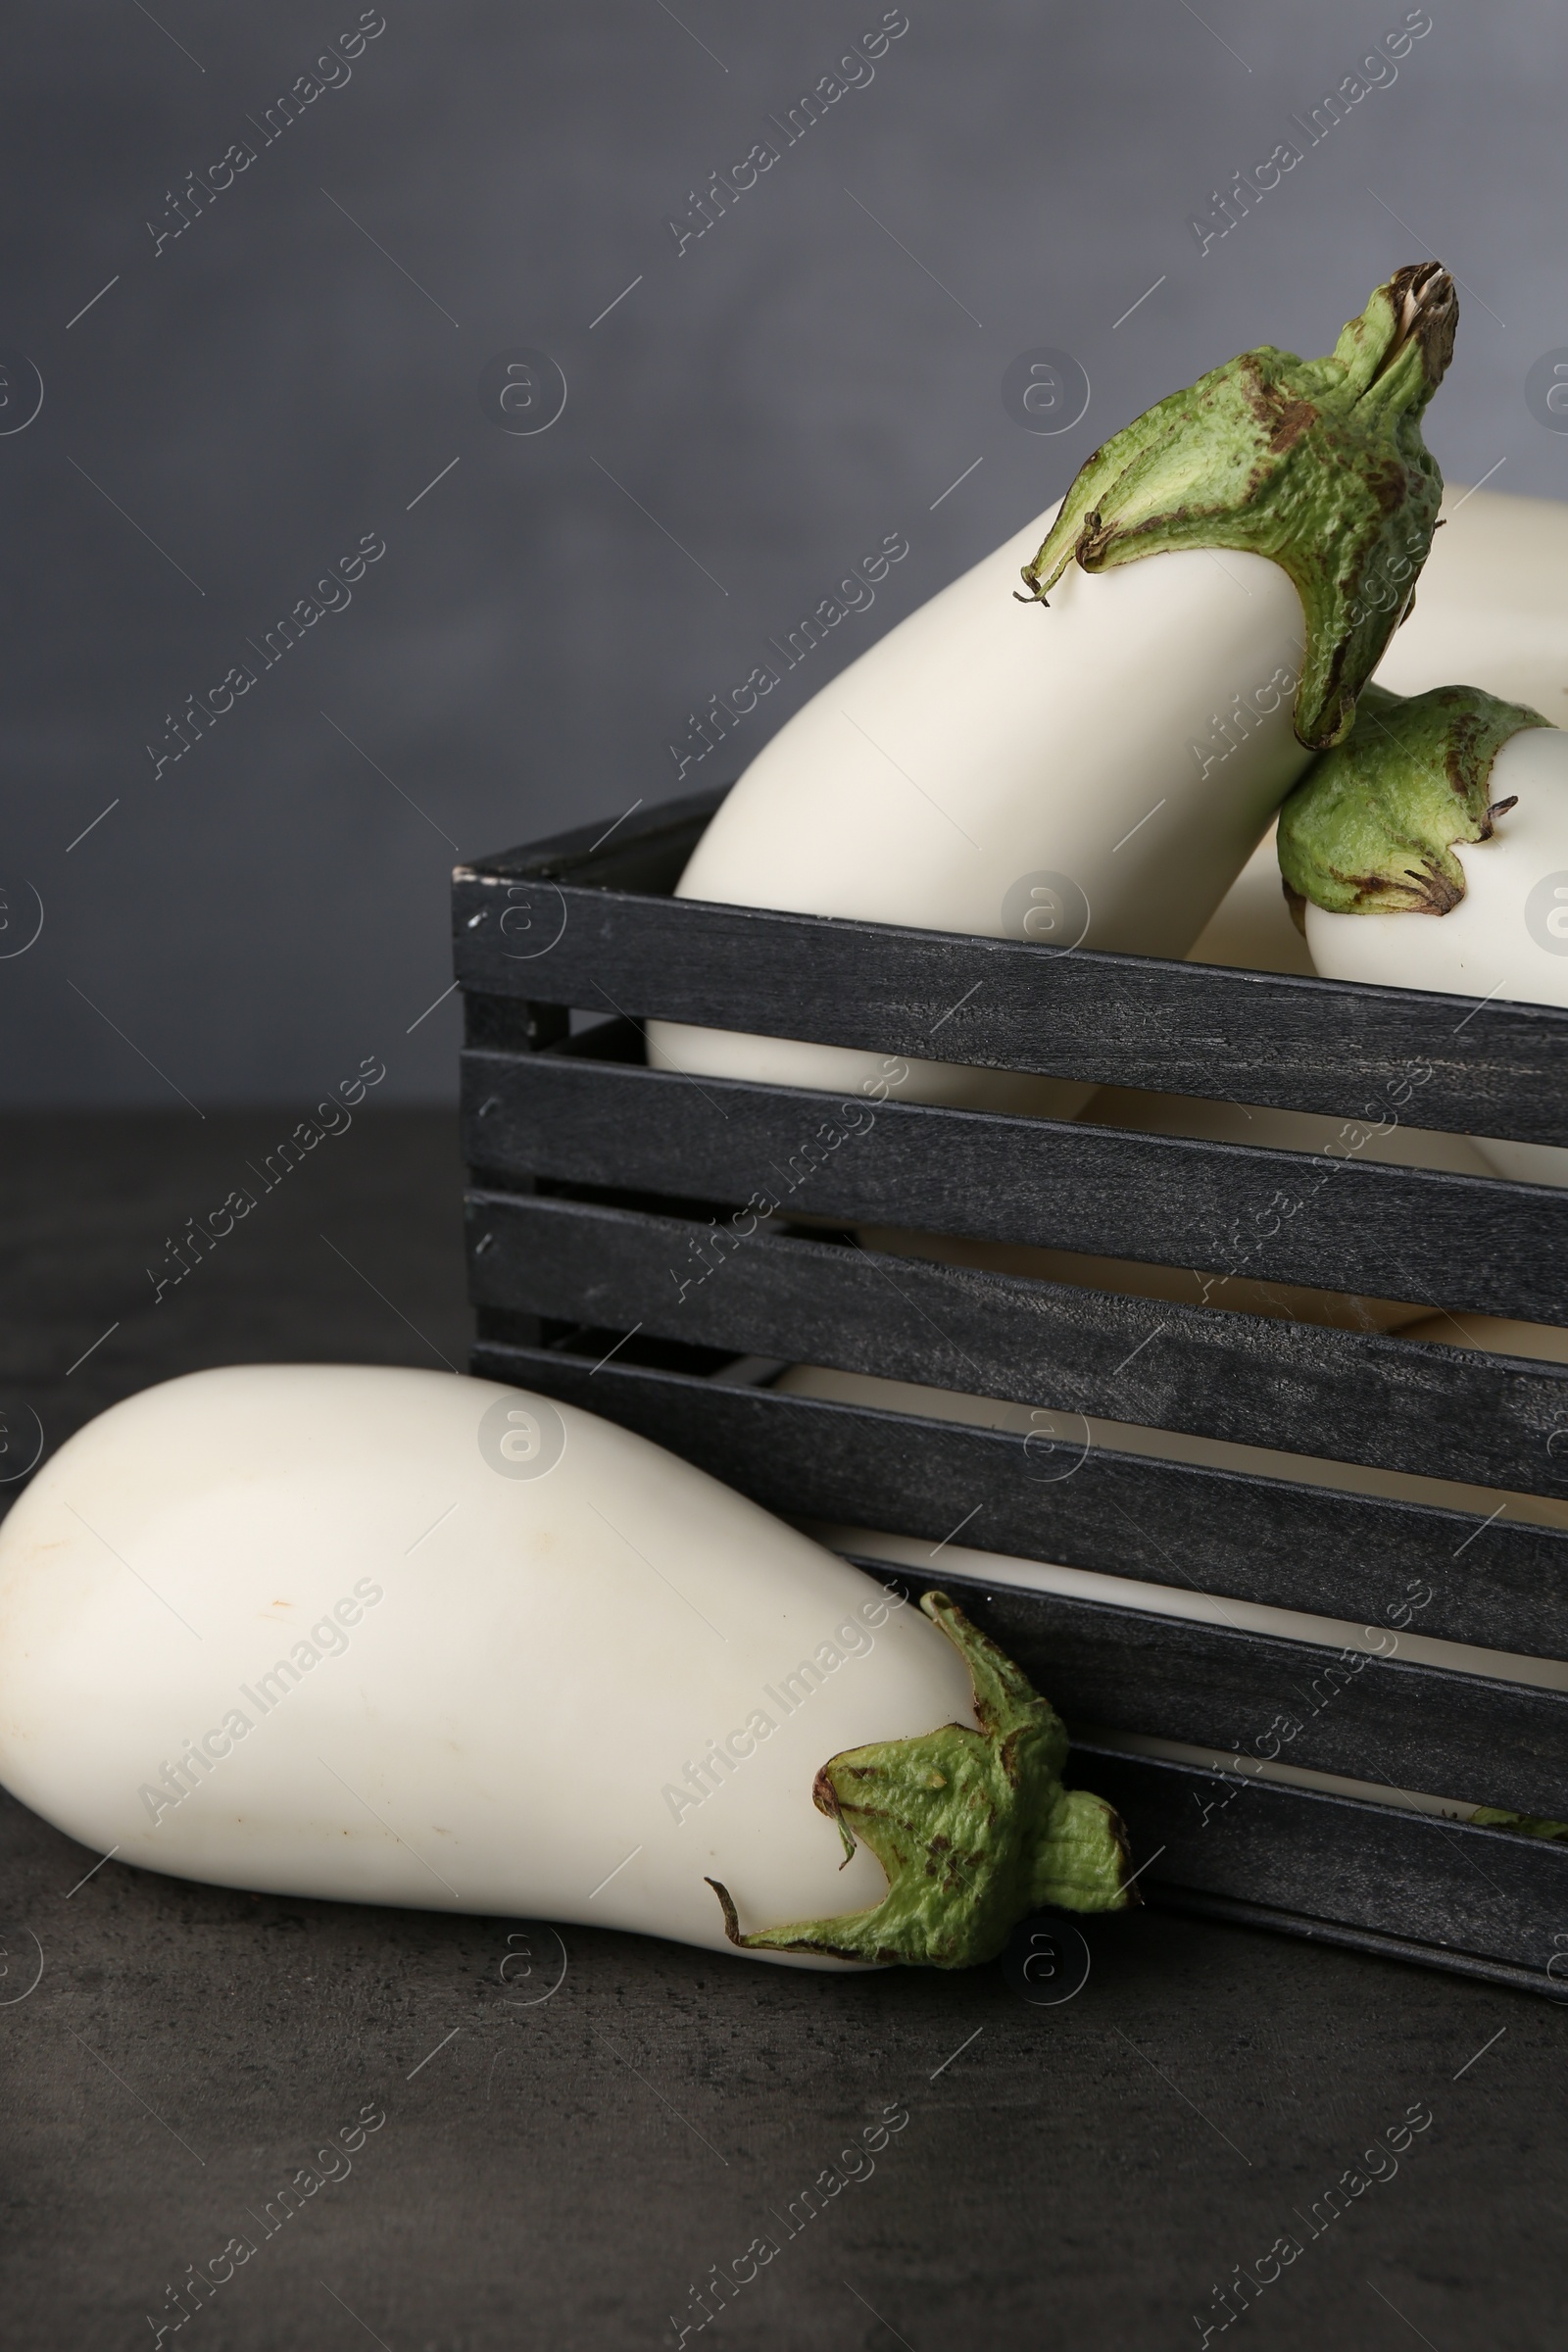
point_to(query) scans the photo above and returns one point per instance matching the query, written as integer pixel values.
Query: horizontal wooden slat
(1376, 1877)
(1126, 1020)
(1446, 1574)
(1461, 1242)
(1419, 1728)
(585, 921)
(1353, 1397)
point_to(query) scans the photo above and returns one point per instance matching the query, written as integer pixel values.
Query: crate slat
(1464, 1241)
(1125, 1020)
(1502, 1586)
(1391, 1403)
(1376, 1877)
(1382, 1719)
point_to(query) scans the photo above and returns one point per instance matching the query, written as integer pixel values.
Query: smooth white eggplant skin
(985, 743)
(1496, 942)
(1491, 605)
(1252, 930)
(531, 1660)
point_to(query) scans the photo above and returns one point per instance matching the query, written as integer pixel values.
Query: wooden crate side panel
(1290, 1855)
(1385, 1721)
(1126, 1020)
(1446, 1412)
(1461, 1242)
(1448, 1574)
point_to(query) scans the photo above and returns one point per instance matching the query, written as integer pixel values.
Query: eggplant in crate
(654, 1246)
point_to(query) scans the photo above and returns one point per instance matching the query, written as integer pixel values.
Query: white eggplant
(976, 771)
(1098, 774)
(1493, 607)
(1062, 1441)
(1058, 1442)
(1251, 930)
(390, 1637)
(1431, 850)
(1492, 604)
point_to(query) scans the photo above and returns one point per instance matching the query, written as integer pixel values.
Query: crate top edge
(552, 861)
(549, 858)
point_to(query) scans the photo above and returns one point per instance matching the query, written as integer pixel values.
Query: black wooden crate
(613, 1264)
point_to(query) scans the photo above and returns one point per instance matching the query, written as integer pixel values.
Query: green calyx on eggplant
(1318, 464)
(1522, 1825)
(1371, 827)
(973, 1828)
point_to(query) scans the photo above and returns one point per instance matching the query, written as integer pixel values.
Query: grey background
(790, 388)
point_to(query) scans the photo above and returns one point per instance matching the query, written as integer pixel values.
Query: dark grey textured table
(566, 2170)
